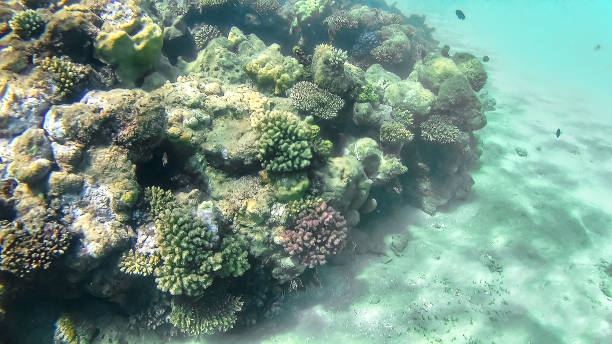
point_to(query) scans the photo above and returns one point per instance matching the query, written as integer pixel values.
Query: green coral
(65, 74)
(188, 245)
(368, 94)
(270, 67)
(290, 187)
(434, 70)
(395, 44)
(185, 245)
(284, 144)
(472, 68)
(208, 315)
(331, 71)
(134, 263)
(411, 96)
(71, 329)
(380, 167)
(133, 47)
(27, 24)
(306, 97)
(234, 256)
(307, 9)
(295, 207)
(394, 132)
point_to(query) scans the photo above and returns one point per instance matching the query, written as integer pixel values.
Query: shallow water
(523, 258)
(521, 261)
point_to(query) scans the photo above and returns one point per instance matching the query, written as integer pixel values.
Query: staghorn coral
(394, 132)
(209, 315)
(319, 233)
(284, 144)
(24, 251)
(204, 34)
(439, 129)
(65, 74)
(27, 24)
(306, 97)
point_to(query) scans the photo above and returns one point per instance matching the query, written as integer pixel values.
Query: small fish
(558, 133)
(460, 14)
(485, 58)
(597, 47)
(165, 159)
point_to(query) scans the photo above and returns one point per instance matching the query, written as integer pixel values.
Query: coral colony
(190, 162)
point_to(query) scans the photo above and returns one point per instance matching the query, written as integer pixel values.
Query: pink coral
(319, 233)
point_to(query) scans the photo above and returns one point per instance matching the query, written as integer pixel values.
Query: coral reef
(309, 99)
(318, 234)
(163, 164)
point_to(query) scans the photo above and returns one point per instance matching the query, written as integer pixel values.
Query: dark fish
(445, 51)
(597, 47)
(485, 58)
(558, 133)
(460, 14)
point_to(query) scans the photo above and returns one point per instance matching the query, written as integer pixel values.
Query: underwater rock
(32, 156)
(20, 107)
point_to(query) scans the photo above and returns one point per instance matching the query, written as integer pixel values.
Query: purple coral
(318, 234)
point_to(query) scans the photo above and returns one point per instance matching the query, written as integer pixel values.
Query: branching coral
(312, 100)
(23, 251)
(284, 144)
(439, 129)
(339, 21)
(27, 24)
(208, 315)
(65, 74)
(263, 7)
(134, 263)
(318, 234)
(191, 256)
(394, 132)
(204, 34)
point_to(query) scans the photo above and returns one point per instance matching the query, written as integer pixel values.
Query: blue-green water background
(544, 44)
